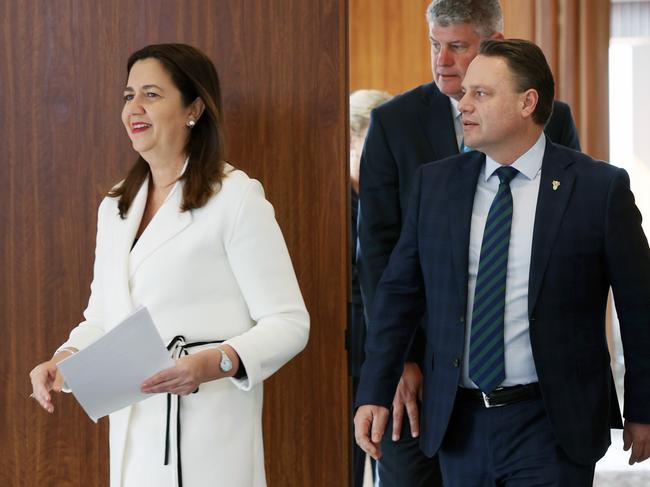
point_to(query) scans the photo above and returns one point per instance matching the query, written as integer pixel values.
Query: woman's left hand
(182, 379)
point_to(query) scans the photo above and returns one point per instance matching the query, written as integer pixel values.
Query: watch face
(225, 364)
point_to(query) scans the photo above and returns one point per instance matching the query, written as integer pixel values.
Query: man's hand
(409, 390)
(637, 436)
(369, 426)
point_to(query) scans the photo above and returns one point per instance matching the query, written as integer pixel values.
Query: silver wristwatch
(226, 364)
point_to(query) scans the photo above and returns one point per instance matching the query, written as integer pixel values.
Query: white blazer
(221, 272)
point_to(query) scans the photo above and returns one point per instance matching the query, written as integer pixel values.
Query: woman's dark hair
(195, 76)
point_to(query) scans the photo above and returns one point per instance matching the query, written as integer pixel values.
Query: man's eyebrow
(458, 42)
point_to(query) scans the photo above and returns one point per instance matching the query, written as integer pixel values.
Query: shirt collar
(454, 107)
(528, 164)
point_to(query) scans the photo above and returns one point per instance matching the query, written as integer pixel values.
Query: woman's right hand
(46, 377)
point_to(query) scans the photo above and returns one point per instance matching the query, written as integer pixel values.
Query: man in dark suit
(510, 253)
(417, 127)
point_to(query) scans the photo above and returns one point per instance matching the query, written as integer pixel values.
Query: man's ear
(497, 35)
(196, 109)
(530, 98)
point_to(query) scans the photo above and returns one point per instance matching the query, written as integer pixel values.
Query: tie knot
(506, 174)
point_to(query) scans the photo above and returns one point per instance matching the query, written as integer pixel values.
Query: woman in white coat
(194, 240)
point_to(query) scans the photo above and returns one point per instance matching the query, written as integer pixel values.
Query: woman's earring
(190, 123)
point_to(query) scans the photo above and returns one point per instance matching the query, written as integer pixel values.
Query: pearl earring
(190, 123)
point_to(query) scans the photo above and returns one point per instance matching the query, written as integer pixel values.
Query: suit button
(462, 320)
(456, 362)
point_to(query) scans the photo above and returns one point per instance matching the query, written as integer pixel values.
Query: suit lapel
(438, 123)
(166, 223)
(124, 232)
(555, 189)
(462, 189)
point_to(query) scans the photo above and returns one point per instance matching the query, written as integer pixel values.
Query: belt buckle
(486, 401)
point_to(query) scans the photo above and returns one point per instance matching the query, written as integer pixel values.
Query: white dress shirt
(519, 364)
(458, 121)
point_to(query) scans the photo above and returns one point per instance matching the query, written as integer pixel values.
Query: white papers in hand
(106, 376)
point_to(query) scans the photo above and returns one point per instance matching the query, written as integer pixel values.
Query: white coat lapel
(124, 232)
(166, 223)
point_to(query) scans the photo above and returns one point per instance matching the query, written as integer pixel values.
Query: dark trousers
(509, 446)
(402, 463)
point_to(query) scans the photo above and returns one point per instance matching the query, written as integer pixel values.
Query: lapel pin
(556, 184)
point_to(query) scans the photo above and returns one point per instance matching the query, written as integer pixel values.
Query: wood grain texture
(283, 67)
(567, 80)
(389, 46)
(519, 18)
(594, 29)
(546, 31)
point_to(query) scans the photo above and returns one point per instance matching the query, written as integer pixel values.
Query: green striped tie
(486, 350)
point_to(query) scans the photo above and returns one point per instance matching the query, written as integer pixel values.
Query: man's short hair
(486, 15)
(529, 68)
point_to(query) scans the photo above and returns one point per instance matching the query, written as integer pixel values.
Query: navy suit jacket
(587, 237)
(412, 129)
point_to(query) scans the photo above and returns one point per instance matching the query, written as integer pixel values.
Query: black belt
(501, 396)
(181, 350)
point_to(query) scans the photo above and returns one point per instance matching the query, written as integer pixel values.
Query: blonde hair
(362, 102)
